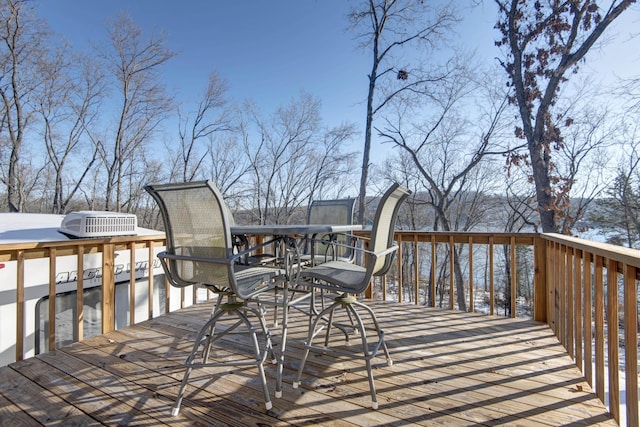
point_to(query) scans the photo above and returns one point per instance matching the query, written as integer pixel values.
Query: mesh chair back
(337, 212)
(196, 225)
(384, 225)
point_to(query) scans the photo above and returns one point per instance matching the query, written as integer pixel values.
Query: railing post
(599, 322)
(514, 276)
(631, 343)
(132, 283)
(451, 273)
(416, 270)
(52, 299)
(20, 302)
(577, 303)
(399, 261)
(492, 284)
(588, 317)
(613, 339)
(471, 295)
(540, 294)
(434, 259)
(108, 289)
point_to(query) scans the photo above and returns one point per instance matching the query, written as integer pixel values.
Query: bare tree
(543, 42)
(134, 62)
(447, 143)
(289, 155)
(386, 27)
(330, 169)
(23, 63)
(68, 108)
(210, 118)
(581, 162)
(228, 167)
(619, 213)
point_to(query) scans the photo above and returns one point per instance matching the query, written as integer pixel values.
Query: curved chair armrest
(387, 251)
(247, 280)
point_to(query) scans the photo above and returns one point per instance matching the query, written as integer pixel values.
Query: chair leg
(214, 310)
(357, 323)
(312, 333)
(206, 337)
(379, 331)
(283, 343)
(367, 355)
(209, 326)
(183, 385)
(260, 357)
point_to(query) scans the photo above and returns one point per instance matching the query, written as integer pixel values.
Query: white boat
(16, 228)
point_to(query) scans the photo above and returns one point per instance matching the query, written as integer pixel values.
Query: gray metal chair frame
(200, 251)
(349, 279)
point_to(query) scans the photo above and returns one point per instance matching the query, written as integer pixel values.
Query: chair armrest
(375, 255)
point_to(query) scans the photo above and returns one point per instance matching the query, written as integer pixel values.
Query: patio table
(292, 235)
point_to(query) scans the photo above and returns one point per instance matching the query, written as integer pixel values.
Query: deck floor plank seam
(450, 368)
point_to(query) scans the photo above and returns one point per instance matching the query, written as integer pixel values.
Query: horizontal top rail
(618, 253)
(32, 250)
(561, 281)
(463, 237)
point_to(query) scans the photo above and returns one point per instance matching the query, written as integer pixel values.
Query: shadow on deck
(449, 368)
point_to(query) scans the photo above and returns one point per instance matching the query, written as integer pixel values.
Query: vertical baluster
(451, 273)
(588, 317)
(80, 291)
(434, 258)
(599, 314)
(631, 343)
(612, 338)
(108, 288)
(399, 260)
(471, 296)
(20, 306)
(492, 288)
(132, 283)
(416, 270)
(570, 301)
(562, 293)
(52, 299)
(512, 250)
(577, 286)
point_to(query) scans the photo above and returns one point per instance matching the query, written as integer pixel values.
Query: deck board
(449, 368)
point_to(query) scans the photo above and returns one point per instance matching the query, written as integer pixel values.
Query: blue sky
(266, 50)
(269, 51)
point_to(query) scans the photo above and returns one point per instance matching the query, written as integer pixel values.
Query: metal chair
(349, 279)
(200, 251)
(319, 249)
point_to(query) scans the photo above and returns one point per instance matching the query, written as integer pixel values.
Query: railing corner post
(540, 280)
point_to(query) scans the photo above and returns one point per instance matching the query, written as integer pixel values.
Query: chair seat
(339, 275)
(252, 280)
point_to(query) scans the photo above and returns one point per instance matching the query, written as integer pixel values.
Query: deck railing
(585, 291)
(41, 259)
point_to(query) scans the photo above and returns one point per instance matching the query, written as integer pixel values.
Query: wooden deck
(450, 368)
